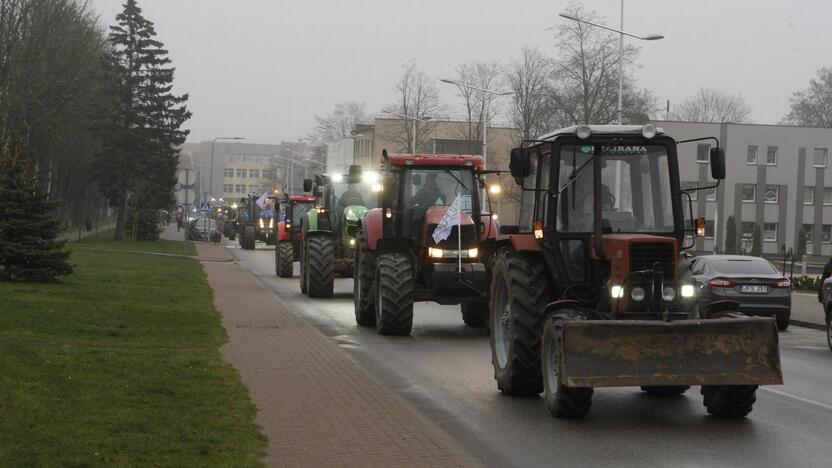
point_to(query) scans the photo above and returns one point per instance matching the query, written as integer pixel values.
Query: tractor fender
(373, 226)
(281, 231)
(555, 306)
(490, 230)
(518, 242)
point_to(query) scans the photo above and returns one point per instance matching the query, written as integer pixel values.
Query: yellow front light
(435, 253)
(473, 253)
(261, 224)
(271, 224)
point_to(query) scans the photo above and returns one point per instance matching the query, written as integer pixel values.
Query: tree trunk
(122, 210)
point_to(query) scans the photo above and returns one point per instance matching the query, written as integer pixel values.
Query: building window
(807, 231)
(241, 173)
(689, 186)
(771, 156)
(254, 173)
(240, 188)
(747, 231)
(770, 232)
(772, 193)
(228, 188)
(228, 172)
(702, 152)
(752, 154)
(268, 173)
(748, 192)
(709, 229)
(808, 195)
(710, 194)
(820, 157)
(826, 233)
(827, 196)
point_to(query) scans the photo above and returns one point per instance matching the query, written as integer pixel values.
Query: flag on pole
(446, 224)
(261, 202)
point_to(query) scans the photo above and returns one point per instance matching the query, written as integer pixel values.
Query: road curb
(801, 323)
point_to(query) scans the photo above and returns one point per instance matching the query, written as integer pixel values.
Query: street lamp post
(413, 128)
(621, 34)
(211, 177)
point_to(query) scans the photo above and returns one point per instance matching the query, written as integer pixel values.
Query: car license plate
(753, 289)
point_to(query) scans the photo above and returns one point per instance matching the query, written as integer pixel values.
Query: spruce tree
(731, 236)
(800, 247)
(137, 169)
(29, 250)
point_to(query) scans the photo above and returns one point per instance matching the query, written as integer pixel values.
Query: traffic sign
(205, 207)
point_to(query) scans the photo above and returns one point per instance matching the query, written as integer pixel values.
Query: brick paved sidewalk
(317, 406)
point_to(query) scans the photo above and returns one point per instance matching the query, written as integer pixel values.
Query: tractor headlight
(376, 187)
(352, 242)
(638, 294)
(435, 253)
(668, 293)
(261, 223)
(687, 290)
(288, 225)
(271, 224)
(616, 291)
(473, 253)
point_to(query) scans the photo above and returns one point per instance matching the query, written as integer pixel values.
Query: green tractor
(329, 231)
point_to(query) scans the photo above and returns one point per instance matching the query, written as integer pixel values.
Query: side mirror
(307, 185)
(520, 164)
(417, 179)
(717, 163)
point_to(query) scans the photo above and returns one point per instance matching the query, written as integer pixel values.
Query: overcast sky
(262, 69)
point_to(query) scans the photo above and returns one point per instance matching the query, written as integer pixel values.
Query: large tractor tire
(829, 328)
(247, 238)
(320, 271)
(783, 320)
(561, 401)
(475, 314)
(364, 271)
(519, 293)
(665, 390)
(303, 268)
(729, 401)
(283, 259)
(394, 294)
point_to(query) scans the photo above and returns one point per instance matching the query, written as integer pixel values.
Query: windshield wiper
(457, 179)
(577, 174)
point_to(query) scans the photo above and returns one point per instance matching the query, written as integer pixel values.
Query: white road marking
(795, 397)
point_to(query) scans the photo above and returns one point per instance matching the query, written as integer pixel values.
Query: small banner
(451, 218)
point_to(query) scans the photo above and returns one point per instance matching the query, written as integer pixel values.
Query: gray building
(778, 177)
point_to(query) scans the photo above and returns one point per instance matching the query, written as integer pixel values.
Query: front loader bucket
(618, 353)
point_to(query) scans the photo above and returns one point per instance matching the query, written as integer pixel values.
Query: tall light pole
(484, 116)
(211, 183)
(413, 128)
(621, 34)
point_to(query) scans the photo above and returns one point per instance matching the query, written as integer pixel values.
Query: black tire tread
(284, 259)
(320, 279)
(475, 314)
(364, 269)
(567, 402)
(729, 401)
(247, 237)
(394, 313)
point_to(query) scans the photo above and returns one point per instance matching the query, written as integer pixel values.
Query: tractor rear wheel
(519, 292)
(284, 259)
(665, 390)
(475, 314)
(363, 276)
(394, 294)
(320, 271)
(729, 401)
(561, 401)
(247, 237)
(303, 268)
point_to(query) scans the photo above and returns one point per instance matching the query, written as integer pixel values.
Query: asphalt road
(444, 369)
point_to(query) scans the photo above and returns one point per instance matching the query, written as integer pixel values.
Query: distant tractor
(254, 223)
(288, 234)
(329, 231)
(423, 243)
(587, 291)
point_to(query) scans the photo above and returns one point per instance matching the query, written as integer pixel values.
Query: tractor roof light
(583, 132)
(648, 131)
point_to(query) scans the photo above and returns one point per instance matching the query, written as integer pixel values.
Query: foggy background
(262, 69)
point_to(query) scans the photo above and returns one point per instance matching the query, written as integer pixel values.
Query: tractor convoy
(586, 290)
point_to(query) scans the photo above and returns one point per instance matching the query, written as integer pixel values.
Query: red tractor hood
(435, 214)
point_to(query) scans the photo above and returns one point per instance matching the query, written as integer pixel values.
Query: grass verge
(119, 364)
(104, 240)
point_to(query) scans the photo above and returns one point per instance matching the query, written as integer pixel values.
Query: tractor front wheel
(729, 401)
(475, 314)
(363, 276)
(394, 294)
(284, 259)
(247, 237)
(320, 271)
(561, 401)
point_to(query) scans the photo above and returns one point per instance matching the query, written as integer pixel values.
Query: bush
(145, 226)
(806, 283)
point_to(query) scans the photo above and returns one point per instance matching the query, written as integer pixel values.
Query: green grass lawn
(104, 240)
(118, 364)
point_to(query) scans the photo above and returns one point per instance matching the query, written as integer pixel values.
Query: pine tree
(731, 236)
(137, 169)
(800, 247)
(28, 248)
(757, 241)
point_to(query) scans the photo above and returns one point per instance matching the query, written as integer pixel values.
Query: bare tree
(416, 96)
(529, 78)
(477, 105)
(712, 105)
(813, 106)
(342, 121)
(585, 76)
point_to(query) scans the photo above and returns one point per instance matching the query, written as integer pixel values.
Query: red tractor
(423, 243)
(287, 232)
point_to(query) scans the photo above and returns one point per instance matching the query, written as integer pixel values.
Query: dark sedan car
(754, 282)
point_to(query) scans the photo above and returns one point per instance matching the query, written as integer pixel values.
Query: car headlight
(668, 294)
(638, 294)
(616, 291)
(687, 290)
(435, 253)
